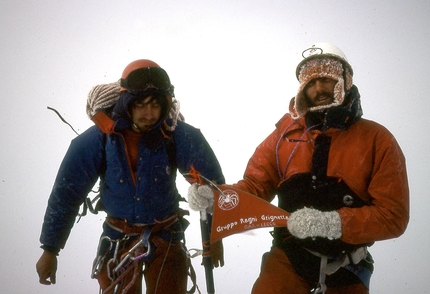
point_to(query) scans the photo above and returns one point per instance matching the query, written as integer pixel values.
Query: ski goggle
(143, 78)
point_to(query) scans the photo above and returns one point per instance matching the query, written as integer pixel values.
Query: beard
(323, 98)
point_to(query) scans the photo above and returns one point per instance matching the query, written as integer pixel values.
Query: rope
(175, 115)
(101, 97)
(162, 265)
(300, 140)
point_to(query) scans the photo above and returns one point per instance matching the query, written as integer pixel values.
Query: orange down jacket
(366, 157)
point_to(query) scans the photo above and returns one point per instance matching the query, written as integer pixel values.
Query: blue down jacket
(95, 154)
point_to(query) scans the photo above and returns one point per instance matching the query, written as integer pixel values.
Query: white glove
(309, 222)
(200, 198)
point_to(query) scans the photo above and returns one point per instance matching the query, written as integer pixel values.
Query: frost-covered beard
(321, 68)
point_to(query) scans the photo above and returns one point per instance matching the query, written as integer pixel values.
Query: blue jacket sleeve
(192, 149)
(78, 173)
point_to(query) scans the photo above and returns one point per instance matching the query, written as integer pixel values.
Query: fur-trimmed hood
(339, 117)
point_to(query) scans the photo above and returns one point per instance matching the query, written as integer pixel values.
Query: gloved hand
(309, 222)
(200, 198)
(217, 253)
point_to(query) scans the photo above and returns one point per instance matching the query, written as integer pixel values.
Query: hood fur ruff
(320, 68)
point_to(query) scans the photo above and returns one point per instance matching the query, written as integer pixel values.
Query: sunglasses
(143, 78)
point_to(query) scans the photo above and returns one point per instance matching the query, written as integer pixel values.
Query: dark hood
(339, 117)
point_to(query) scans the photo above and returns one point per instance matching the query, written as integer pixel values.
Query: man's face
(145, 114)
(320, 91)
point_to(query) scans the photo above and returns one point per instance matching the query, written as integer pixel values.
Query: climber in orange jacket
(342, 177)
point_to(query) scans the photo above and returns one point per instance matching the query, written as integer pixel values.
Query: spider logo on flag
(230, 201)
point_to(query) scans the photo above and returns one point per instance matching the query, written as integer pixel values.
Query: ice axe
(205, 227)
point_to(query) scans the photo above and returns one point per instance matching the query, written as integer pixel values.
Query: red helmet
(143, 74)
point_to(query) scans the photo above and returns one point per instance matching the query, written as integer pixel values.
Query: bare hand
(217, 252)
(46, 267)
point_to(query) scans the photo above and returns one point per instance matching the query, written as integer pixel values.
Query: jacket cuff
(51, 249)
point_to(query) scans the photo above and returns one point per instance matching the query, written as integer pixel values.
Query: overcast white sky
(233, 66)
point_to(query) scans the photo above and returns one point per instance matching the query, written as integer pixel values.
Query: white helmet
(321, 50)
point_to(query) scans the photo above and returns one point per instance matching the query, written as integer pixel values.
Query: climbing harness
(128, 254)
(330, 268)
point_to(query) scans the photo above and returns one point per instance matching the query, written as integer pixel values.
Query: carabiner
(197, 252)
(320, 289)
